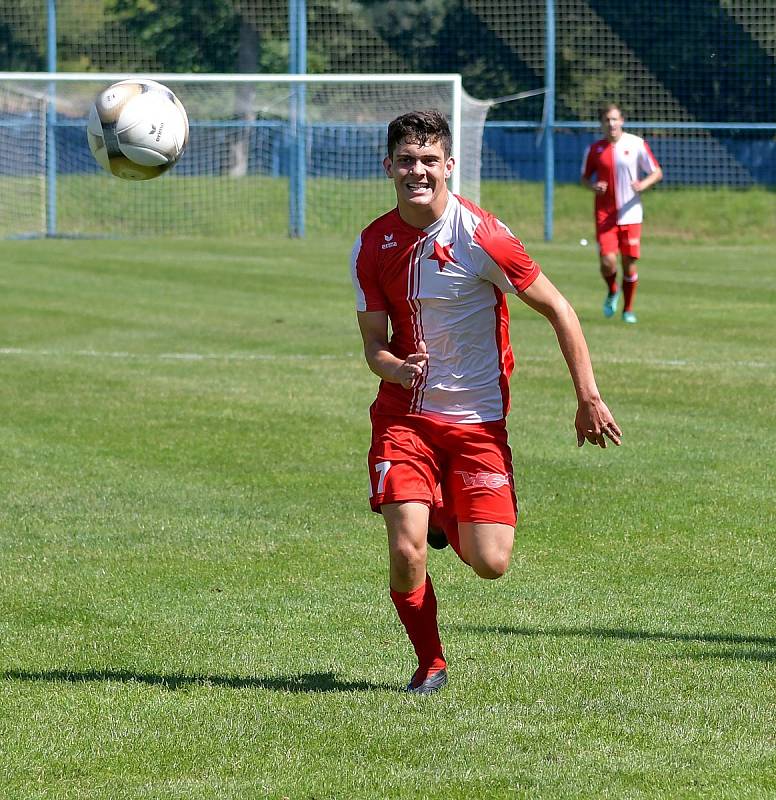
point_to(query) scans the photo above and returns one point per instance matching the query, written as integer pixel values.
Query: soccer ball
(137, 129)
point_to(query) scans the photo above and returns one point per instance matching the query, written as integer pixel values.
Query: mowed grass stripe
(194, 596)
(676, 363)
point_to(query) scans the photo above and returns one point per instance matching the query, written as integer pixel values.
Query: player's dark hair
(607, 107)
(420, 127)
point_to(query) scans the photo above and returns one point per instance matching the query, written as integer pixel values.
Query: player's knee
(608, 266)
(491, 566)
(406, 555)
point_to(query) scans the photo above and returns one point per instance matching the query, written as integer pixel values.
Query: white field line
(127, 356)
(671, 363)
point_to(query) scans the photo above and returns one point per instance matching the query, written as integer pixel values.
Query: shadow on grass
(755, 648)
(306, 682)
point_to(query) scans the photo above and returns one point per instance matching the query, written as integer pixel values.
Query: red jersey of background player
(619, 164)
(445, 285)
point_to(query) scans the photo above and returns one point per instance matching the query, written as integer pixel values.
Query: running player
(611, 168)
(437, 268)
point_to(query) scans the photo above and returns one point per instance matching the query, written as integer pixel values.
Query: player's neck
(421, 216)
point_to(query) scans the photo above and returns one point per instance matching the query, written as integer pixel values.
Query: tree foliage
(183, 35)
(698, 59)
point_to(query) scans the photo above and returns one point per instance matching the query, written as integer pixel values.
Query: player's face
(419, 172)
(612, 124)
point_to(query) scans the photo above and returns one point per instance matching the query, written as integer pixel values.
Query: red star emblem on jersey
(442, 255)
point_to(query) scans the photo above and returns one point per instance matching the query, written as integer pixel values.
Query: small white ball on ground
(583, 242)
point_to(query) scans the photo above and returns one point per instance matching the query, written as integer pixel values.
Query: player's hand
(600, 187)
(636, 186)
(595, 424)
(411, 369)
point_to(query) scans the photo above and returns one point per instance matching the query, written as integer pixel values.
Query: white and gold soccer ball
(137, 129)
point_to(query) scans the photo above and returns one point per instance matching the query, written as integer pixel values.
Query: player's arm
(649, 167)
(589, 177)
(594, 422)
(374, 332)
(599, 187)
(594, 185)
(650, 180)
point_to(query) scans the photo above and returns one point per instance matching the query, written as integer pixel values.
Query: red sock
(611, 282)
(629, 284)
(418, 612)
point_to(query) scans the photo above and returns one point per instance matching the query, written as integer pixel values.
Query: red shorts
(410, 455)
(623, 238)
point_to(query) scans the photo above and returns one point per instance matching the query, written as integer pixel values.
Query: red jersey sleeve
(589, 163)
(647, 160)
(507, 253)
(364, 271)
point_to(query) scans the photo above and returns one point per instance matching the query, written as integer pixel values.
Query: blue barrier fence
(512, 151)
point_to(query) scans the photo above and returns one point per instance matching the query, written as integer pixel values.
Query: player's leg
(443, 524)
(406, 524)
(438, 519)
(487, 546)
(630, 247)
(412, 591)
(608, 266)
(630, 282)
(402, 480)
(480, 483)
(607, 250)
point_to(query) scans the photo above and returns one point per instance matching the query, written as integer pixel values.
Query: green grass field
(257, 206)
(194, 602)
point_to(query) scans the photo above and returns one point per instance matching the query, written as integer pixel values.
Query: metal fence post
(549, 120)
(51, 125)
(297, 64)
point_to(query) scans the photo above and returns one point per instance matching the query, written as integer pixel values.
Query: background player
(437, 268)
(611, 168)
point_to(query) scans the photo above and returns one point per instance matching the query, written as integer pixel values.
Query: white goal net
(267, 154)
(22, 161)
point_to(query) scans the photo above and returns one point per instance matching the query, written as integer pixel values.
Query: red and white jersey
(619, 164)
(445, 285)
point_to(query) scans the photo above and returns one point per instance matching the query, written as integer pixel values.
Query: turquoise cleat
(610, 304)
(629, 317)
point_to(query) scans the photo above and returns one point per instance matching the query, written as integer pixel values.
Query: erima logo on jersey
(389, 242)
(491, 480)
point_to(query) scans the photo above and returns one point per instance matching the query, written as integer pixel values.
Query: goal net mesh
(697, 78)
(234, 177)
(22, 161)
